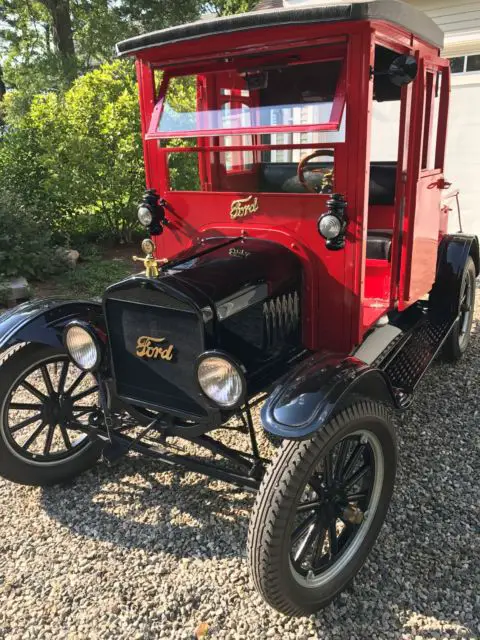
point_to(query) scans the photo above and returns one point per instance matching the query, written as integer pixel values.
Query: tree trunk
(2, 88)
(59, 11)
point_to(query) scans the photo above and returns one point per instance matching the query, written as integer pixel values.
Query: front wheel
(45, 401)
(320, 508)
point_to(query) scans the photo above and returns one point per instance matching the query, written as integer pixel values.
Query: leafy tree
(104, 147)
(77, 157)
(31, 54)
(71, 144)
(47, 43)
(137, 16)
(229, 7)
(60, 19)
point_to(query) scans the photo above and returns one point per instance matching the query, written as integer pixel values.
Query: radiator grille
(282, 318)
(164, 383)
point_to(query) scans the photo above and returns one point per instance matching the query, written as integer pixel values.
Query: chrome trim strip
(376, 343)
(239, 301)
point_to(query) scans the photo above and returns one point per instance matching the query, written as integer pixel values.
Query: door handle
(443, 184)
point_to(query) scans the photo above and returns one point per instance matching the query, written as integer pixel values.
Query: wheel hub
(335, 494)
(336, 505)
(58, 409)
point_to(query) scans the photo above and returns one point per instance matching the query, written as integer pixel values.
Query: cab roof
(272, 13)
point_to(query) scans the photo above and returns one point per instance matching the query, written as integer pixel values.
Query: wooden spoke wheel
(45, 400)
(320, 508)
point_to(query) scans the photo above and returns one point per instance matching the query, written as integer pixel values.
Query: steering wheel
(326, 173)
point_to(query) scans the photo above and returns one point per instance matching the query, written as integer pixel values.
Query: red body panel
(197, 215)
(423, 248)
(423, 227)
(344, 293)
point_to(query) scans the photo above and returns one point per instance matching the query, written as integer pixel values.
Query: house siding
(460, 20)
(452, 17)
(462, 17)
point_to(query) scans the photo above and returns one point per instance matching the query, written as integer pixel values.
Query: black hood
(240, 296)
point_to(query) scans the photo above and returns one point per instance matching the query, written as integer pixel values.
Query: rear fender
(42, 321)
(453, 254)
(306, 400)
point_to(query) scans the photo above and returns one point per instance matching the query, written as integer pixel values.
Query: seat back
(281, 177)
(383, 180)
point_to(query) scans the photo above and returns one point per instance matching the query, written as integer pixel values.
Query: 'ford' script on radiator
(150, 348)
(241, 208)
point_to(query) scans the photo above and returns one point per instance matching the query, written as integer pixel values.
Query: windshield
(299, 97)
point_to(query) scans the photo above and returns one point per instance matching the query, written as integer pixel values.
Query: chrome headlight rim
(333, 218)
(87, 328)
(239, 370)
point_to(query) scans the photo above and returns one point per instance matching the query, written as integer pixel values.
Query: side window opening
(431, 134)
(386, 111)
(384, 139)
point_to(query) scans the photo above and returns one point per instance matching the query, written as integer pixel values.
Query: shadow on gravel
(143, 504)
(422, 576)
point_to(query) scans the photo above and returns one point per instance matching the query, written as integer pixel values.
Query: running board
(409, 362)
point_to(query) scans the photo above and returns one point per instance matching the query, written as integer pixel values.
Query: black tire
(275, 512)
(21, 465)
(459, 338)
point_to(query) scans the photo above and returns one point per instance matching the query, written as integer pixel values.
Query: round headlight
(221, 380)
(82, 346)
(329, 226)
(145, 216)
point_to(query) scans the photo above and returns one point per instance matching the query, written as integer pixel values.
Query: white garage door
(460, 20)
(463, 150)
(463, 146)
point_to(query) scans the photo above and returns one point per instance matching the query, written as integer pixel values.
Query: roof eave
(398, 13)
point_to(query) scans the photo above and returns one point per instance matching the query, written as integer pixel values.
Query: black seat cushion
(379, 244)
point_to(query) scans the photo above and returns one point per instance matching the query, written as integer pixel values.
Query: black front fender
(305, 401)
(42, 321)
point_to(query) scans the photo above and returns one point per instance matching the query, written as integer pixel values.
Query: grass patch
(91, 277)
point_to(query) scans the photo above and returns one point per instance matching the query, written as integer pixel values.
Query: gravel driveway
(140, 552)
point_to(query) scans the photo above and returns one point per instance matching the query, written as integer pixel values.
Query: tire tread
(278, 489)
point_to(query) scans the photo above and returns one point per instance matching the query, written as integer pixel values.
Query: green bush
(23, 169)
(91, 277)
(26, 245)
(76, 158)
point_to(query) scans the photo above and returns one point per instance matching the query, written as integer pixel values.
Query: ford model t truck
(298, 256)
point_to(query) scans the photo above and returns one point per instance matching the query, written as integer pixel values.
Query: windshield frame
(333, 124)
